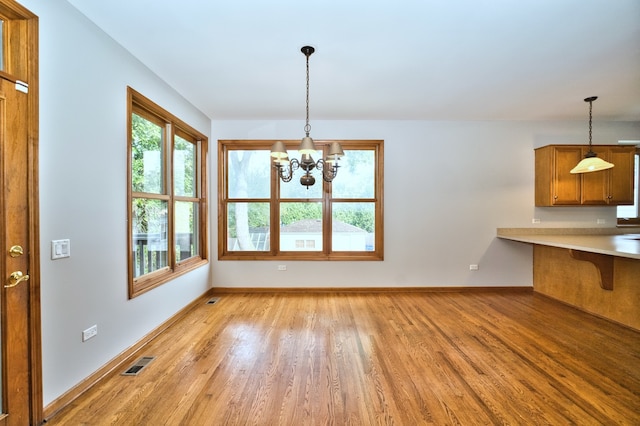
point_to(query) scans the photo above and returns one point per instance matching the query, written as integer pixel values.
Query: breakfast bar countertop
(610, 241)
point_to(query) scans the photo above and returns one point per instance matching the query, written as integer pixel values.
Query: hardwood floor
(380, 358)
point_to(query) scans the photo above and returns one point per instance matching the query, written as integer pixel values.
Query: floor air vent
(136, 368)
(213, 301)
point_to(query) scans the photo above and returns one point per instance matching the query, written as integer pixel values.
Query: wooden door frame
(21, 63)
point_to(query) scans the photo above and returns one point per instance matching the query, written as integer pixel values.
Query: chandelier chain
(307, 127)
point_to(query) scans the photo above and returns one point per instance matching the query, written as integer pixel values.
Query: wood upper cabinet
(556, 186)
(613, 186)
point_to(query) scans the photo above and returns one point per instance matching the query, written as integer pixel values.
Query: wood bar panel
(557, 274)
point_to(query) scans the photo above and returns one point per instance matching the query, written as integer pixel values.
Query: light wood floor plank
(382, 358)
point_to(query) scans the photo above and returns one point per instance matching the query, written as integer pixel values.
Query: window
(167, 195)
(263, 218)
(630, 215)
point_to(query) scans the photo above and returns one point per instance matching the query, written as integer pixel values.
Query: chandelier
(328, 167)
(591, 162)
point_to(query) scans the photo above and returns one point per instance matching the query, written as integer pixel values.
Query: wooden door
(15, 263)
(20, 360)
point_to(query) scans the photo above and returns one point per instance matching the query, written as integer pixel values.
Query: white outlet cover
(60, 249)
(89, 333)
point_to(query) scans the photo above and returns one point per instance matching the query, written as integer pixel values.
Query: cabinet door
(595, 185)
(566, 187)
(621, 182)
(613, 186)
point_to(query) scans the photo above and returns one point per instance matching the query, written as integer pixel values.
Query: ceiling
(388, 60)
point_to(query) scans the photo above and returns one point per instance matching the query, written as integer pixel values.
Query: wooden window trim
(275, 254)
(136, 102)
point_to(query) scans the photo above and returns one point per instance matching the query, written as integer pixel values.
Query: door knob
(16, 278)
(16, 251)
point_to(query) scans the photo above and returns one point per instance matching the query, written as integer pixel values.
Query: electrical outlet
(535, 220)
(473, 267)
(282, 267)
(89, 333)
(601, 221)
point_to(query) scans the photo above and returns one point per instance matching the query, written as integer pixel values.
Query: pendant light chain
(591, 162)
(590, 100)
(590, 110)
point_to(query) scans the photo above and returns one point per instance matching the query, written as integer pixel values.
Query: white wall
(447, 187)
(83, 149)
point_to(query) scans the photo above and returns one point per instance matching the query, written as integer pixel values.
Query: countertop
(610, 241)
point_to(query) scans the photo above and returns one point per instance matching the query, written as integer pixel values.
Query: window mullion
(199, 168)
(150, 196)
(274, 227)
(169, 146)
(327, 222)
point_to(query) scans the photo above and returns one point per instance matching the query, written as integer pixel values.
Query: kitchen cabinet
(613, 186)
(556, 186)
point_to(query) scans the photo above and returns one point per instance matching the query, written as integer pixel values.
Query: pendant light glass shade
(591, 162)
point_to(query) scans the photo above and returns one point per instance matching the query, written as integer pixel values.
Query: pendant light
(591, 162)
(328, 166)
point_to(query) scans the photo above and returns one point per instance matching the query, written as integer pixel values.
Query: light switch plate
(60, 249)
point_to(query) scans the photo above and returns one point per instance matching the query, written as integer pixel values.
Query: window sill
(153, 280)
(308, 256)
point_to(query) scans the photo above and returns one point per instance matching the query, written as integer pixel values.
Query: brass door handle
(16, 251)
(16, 278)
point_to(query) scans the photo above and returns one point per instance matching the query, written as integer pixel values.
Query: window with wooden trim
(264, 218)
(630, 215)
(167, 181)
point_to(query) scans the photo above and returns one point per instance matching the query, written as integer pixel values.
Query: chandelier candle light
(591, 162)
(328, 166)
